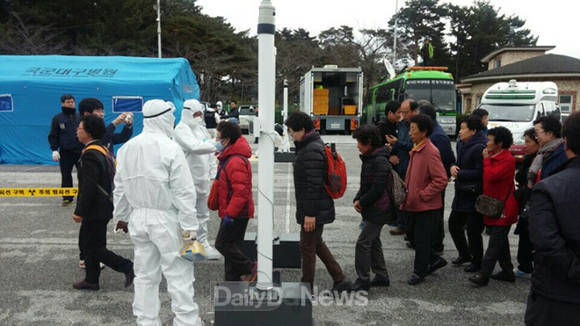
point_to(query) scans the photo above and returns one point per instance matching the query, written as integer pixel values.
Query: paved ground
(38, 264)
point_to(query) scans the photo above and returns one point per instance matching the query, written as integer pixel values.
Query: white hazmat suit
(154, 193)
(199, 149)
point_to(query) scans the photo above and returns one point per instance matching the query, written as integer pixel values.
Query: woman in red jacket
(498, 182)
(236, 205)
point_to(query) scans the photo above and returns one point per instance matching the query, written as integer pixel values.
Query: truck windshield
(439, 92)
(510, 112)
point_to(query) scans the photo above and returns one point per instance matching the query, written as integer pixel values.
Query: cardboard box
(350, 109)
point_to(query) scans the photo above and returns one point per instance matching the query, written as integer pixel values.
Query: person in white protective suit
(199, 149)
(154, 200)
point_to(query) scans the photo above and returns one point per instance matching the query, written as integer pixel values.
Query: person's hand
(189, 235)
(309, 223)
(394, 159)
(120, 119)
(485, 153)
(392, 139)
(228, 221)
(129, 119)
(55, 156)
(122, 226)
(357, 206)
(390, 147)
(77, 218)
(454, 171)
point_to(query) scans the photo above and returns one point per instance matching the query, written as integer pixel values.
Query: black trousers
(498, 250)
(228, 242)
(525, 247)
(401, 218)
(542, 311)
(369, 253)
(68, 159)
(440, 227)
(474, 221)
(425, 232)
(95, 249)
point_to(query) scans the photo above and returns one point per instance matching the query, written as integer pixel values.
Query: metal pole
(285, 113)
(159, 28)
(266, 102)
(395, 35)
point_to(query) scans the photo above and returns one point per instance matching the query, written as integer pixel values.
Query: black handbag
(491, 207)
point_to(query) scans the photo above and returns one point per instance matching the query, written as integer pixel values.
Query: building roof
(545, 65)
(517, 48)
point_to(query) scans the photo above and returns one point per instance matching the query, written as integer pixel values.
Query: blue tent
(31, 86)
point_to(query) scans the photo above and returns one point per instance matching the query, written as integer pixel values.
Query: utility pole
(159, 28)
(395, 34)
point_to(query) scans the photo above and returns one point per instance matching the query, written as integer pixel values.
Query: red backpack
(336, 178)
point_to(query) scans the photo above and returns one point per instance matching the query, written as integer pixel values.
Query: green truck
(433, 84)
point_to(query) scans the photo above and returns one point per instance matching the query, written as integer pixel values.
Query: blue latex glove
(228, 221)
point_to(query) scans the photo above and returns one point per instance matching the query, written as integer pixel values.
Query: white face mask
(197, 120)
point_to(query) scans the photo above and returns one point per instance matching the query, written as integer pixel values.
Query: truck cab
(515, 105)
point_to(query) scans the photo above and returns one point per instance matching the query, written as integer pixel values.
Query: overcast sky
(553, 21)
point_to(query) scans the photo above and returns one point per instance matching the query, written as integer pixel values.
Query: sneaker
(397, 231)
(479, 279)
(415, 279)
(505, 276)
(461, 260)
(342, 286)
(440, 263)
(380, 281)
(211, 252)
(83, 285)
(521, 274)
(66, 202)
(360, 285)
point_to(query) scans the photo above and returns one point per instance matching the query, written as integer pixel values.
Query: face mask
(219, 146)
(197, 120)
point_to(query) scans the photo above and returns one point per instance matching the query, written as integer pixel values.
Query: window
(127, 104)
(566, 103)
(6, 103)
(497, 63)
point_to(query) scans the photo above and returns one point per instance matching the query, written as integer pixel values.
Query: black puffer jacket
(554, 232)
(92, 203)
(310, 173)
(468, 184)
(375, 179)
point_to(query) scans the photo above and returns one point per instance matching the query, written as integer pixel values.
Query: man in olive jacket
(555, 233)
(94, 206)
(314, 206)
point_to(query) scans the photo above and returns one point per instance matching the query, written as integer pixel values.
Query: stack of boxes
(320, 105)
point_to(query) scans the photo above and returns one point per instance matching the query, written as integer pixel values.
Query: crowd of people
(166, 180)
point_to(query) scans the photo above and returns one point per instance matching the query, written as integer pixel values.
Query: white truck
(515, 105)
(333, 97)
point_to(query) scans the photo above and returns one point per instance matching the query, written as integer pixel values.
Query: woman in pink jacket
(426, 178)
(499, 168)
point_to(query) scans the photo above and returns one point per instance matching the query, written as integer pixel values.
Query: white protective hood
(158, 117)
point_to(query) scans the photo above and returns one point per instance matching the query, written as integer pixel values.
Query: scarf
(547, 149)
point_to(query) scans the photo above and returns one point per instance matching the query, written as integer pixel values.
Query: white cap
(193, 105)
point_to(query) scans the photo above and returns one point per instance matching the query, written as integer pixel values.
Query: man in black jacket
(94, 106)
(388, 125)
(555, 233)
(94, 206)
(314, 206)
(64, 144)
